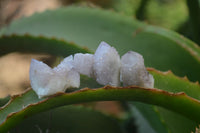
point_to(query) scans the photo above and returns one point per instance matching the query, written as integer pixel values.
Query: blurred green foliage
(166, 13)
(162, 49)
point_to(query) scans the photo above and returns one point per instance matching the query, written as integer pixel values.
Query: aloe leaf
(189, 106)
(73, 119)
(164, 120)
(176, 122)
(28, 104)
(147, 118)
(162, 49)
(169, 82)
(40, 44)
(4, 100)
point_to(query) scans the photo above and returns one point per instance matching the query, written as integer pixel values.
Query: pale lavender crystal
(133, 71)
(46, 81)
(83, 64)
(106, 65)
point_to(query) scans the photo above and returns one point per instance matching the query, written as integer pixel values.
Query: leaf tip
(185, 78)
(197, 83)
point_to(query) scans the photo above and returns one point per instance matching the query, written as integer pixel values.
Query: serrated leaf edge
(53, 38)
(107, 91)
(169, 72)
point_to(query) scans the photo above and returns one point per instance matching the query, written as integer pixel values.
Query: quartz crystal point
(106, 65)
(133, 71)
(66, 68)
(83, 64)
(46, 81)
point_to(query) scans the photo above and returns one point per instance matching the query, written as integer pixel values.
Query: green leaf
(28, 104)
(70, 119)
(162, 49)
(154, 11)
(175, 122)
(28, 43)
(169, 82)
(3, 101)
(161, 119)
(142, 123)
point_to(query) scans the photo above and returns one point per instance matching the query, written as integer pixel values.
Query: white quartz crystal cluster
(105, 66)
(46, 81)
(133, 71)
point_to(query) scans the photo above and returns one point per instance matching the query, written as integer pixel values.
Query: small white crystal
(106, 65)
(73, 79)
(83, 64)
(133, 71)
(148, 81)
(40, 75)
(46, 81)
(66, 69)
(65, 66)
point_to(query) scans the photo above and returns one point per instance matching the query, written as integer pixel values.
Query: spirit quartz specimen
(105, 66)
